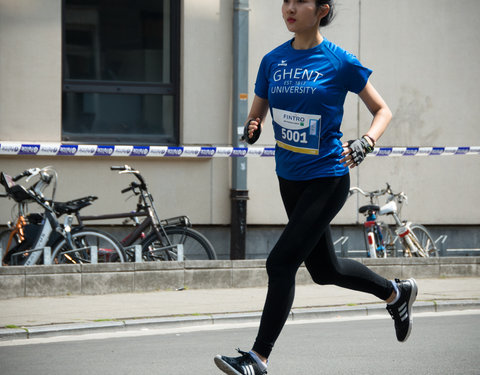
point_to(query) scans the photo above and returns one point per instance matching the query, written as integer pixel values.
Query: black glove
(360, 148)
(255, 135)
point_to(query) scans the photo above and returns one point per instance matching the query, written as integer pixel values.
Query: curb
(8, 334)
(105, 278)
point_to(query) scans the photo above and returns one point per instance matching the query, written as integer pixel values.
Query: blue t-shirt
(306, 91)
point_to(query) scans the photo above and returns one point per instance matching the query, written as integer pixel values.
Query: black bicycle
(160, 240)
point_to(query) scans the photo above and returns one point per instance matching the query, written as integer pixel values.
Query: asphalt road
(440, 343)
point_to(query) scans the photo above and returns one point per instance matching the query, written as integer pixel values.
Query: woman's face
(302, 15)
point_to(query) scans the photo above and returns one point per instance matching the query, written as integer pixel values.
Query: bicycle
(68, 244)
(373, 236)
(160, 240)
(414, 239)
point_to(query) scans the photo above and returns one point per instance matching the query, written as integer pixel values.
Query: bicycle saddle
(73, 206)
(368, 207)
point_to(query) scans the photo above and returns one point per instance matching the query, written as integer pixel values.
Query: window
(121, 71)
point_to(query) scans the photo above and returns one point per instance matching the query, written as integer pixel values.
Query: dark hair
(329, 17)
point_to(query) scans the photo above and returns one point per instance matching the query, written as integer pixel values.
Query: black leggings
(311, 206)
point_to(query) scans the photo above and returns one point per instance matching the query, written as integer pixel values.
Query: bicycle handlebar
(376, 193)
(120, 168)
(28, 173)
(21, 175)
(128, 169)
(46, 174)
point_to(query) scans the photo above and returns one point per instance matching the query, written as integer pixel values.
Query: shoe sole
(225, 367)
(411, 300)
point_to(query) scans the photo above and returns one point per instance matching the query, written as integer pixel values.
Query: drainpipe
(239, 192)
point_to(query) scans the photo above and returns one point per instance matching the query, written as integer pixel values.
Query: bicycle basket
(17, 192)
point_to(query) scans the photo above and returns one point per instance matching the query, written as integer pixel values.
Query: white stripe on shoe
(403, 311)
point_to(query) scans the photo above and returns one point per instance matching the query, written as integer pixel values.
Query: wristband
(371, 139)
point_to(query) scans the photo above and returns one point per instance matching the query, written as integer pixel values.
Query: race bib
(297, 132)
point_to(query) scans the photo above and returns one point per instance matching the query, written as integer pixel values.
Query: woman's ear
(323, 11)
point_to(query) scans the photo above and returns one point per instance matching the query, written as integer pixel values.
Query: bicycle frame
(131, 237)
(140, 227)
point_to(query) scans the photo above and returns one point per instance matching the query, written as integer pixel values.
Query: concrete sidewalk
(33, 316)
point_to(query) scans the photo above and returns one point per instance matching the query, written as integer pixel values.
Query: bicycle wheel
(195, 245)
(425, 240)
(108, 248)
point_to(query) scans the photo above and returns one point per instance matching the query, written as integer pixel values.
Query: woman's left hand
(347, 161)
(355, 151)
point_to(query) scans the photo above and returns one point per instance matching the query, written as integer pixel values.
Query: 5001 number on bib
(295, 136)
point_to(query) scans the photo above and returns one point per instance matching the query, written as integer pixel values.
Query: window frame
(130, 87)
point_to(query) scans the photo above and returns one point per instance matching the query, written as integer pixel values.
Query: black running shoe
(243, 365)
(401, 311)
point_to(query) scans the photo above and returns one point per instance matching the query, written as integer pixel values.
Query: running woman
(303, 83)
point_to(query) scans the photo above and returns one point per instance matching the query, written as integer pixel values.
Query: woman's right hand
(252, 130)
(253, 125)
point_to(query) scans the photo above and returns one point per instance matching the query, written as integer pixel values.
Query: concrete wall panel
(207, 72)
(30, 70)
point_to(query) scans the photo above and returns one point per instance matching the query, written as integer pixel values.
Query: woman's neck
(307, 41)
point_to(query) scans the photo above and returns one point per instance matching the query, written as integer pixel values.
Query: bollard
(47, 255)
(343, 240)
(138, 253)
(93, 254)
(443, 248)
(180, 254)
(344, 247)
